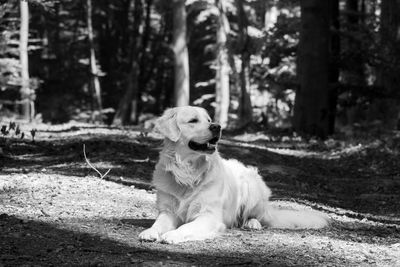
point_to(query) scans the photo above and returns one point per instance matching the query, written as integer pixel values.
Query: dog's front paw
(252, 224)
(150, 234)
(172, 237)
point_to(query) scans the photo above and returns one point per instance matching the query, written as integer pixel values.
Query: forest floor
(55, 210)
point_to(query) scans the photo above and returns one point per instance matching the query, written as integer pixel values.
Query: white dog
(199, 194)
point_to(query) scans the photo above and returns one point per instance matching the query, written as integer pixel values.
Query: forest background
(312, 66)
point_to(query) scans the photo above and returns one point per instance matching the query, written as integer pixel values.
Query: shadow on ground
(34, 243)
(350, 182)
(131, 162)
(28, 242)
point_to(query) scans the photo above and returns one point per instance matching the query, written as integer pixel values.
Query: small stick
(91, 166)
(44, 213)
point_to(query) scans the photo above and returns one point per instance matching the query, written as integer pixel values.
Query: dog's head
(191, 127)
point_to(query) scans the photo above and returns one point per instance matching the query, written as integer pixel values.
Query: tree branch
(91, 166)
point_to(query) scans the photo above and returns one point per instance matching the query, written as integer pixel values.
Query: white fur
(199, 194)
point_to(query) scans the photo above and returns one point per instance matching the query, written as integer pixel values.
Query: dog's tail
(295, 219)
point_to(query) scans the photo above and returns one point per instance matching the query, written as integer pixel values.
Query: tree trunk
(388, 74)
(271, 15)
(94, 72)
(181, 63)
(128, 105)
(222, 73)
(363, 9)
(145, 66)
(26, 93)
(352, 12)
(334, 64)
(245, 107)
(311, 111)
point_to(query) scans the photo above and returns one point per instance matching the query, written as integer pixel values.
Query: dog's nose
(215, 127)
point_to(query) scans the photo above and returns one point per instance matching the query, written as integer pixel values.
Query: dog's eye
(195, 120)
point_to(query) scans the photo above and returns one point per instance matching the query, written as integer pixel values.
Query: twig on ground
(44, 213)
(91, 166)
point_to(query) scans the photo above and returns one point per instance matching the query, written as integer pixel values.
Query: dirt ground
(55, 211)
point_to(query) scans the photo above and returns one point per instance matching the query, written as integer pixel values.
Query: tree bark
(245, 107)
(94, 72)
(388, 74)
(334, 64)
(352, 12)
(181, 63)
(271, 14)
(26, 93)
(145, 66)
(353, 18)
(311, 111)
(128, 105)
(222, 98)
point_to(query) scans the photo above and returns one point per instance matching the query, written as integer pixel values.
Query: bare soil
(55, 211)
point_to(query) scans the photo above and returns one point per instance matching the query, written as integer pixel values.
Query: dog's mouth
(210, 146)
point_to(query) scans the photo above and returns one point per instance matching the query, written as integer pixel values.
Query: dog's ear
(167, 125)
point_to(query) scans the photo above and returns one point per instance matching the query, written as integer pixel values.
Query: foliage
(59, 57)
(11, 134)
(10, 77)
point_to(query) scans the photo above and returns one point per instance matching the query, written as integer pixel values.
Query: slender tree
(352, 8)
(245, 107)
(128, 105)
(311, 111)
(181, 64)
(26, 95)
(222, 72)
(94, 72)
(354, 12)
(334, 53)
(148, 69)
(271, 14)
(388, 74)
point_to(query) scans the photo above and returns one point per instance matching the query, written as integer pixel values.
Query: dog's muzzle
(211, 144)
(215, 129)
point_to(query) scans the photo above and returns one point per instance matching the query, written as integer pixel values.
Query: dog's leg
(203, 227)
(165, 222)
